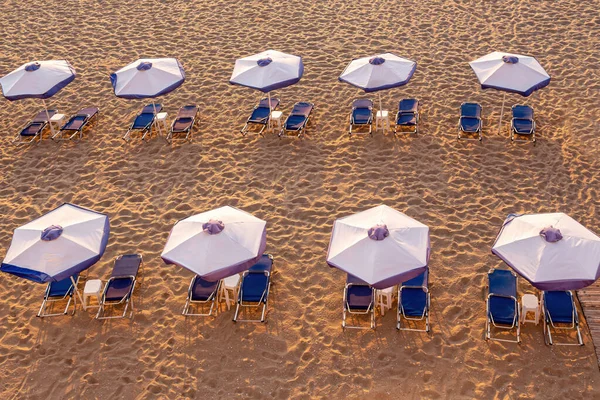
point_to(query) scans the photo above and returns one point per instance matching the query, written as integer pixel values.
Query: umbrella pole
(501, 113)
(77, 291)
(270, 111)
(47, 118)
(380, 109)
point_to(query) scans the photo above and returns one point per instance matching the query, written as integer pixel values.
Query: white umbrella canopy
(61, 243)
(37, 79)
(510, 72)
(217, 243)
(267, 71)
(381, 246)
(148, 77)
(552, 251)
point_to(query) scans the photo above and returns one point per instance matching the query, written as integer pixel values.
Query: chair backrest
(127, 265)
(203, 289)
(265, 103)
(363, 103)
(149, 109)
(560, 305)
(302, 108)
(359, 294)
(42, 116)
(502, 282)
(187, 112)
(472, 110)
(522, 112)
(264, 264)
(408, 105)
(62, 287)
(420, 280)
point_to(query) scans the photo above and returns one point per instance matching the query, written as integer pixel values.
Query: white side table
(276, 120)
(384, 299)
(57, 120)
(530, 303)
(231, 283)
(382, 121)
(161, 121)
(93, 288)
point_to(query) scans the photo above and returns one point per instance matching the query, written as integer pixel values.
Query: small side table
(384, 299)
(530, 303)
(231, 283)
(92, 288)
(382, 121)
(57, 120)
(161, 121)
(276, 120)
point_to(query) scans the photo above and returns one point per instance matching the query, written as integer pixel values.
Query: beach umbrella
(380, 72)
(381, 246)
(552, 251)
(508, 72)
(267, 71)
(57, 245)
(37, 80)
(217, 243)
(148, 78)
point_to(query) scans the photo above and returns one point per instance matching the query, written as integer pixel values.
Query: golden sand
(462, 190)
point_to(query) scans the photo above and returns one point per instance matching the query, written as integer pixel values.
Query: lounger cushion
(151, 109)
(265, 263)
(119, 288)
(470, 110)
(202, 290)
(75, 123)
(143, 121)
(523, 126)
(182, 124)
(522, 112)
(414, 301)
(302, 108)
(42, 116)
(559, 305)
(33, 128)
(63, 287)
(359, 297)
(502, 310)
(408, 105)
(470, 124)
(503, 282)
(406, 119)
(265, 103)
(127, 265)
(295, 122)
(362, 103)
(260, 115)
(362, 116)
(254, 286)
(419, 280)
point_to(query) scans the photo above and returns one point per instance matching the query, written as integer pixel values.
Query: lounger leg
(42, 307)
(237, 310)
(186, 306)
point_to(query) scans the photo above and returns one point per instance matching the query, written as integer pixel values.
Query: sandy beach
(461, 190)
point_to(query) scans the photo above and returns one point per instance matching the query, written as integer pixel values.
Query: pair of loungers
(413, 302)
(117, 292)
(34, 129)
(253, 292)
(470, 124)
(503, 310)
(295, 123)
(406, 121)
(146, 120)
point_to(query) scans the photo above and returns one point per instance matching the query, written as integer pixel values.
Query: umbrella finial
(377, 60)
(144, 66)
(378, 232)
(213, 226)
(52, 232)
(551, 234)
(263, 62)
(510, 59)
(34, 66)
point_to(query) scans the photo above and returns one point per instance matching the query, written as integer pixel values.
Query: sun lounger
(119, 288)
(359, 299)
(34, 128)
(60, 291)
(502, 305)
(75, 125)
(201, 293)
(144, 121)
(361, 115)
(261, 115)
(182, 126)
(522, 124)
(560, 313)
(470, 121)
(254, 289)
(413, 302)
(298, 119)
(407, 118)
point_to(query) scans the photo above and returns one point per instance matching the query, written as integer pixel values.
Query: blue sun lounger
(470, 121)
(76, 123)
(407, 118)
(182, 126)
(34, 128)
(254, 289)
(144, 121)
(413, 302)
(298, 119)
(359, 299)
(119, 288)
(201, 293)
(361, 115)
(261, 115)
(560, 313)
(60, 291)
(522, 124)
(502, 306)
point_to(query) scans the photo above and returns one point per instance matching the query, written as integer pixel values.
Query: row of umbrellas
(381, 246)
(271, 70)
